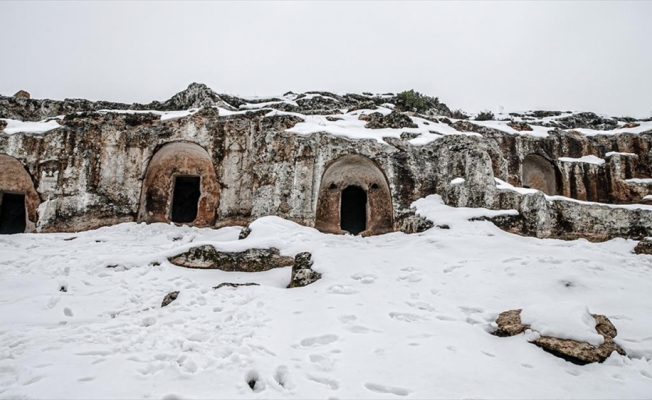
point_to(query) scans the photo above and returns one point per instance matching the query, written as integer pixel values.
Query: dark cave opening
(12, 213)
(353, 210)
(185, 198)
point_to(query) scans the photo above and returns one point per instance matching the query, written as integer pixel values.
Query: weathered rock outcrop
(94, 169)
(252, 260)
(509, 324)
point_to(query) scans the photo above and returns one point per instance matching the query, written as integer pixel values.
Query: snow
(613, 153)
(591, 159)
(502, 185)
(348, 125)
(564, 320)
(643, 127)
(641, 181)
(14, 126)
(170, 115)
(394, 315)
(457, 181)
(537, 131)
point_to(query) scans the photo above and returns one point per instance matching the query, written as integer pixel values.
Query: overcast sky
(472, 55)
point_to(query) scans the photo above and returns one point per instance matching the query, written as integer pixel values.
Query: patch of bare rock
(394, 120)
(509, 324)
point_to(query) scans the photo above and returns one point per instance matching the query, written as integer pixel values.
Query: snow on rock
(641, 181)
(563, 320)
(14, 126)
(457, 181)
(591, 159)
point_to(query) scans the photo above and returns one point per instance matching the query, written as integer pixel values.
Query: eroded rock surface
(252, 260)
(509, 324)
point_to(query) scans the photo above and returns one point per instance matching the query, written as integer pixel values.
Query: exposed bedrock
(103, 168)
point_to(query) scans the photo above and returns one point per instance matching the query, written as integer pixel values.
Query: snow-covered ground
(394, 315)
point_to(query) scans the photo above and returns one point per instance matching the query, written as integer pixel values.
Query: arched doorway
(354, 197)
(539, 173)
(353, 210)
(180, 186)
(19, 200)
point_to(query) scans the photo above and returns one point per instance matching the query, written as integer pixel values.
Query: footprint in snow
(331, 383)
(374, 387)
(254, 382)
(340, 289)
(364, 278)
(318, 340)
(405, 317)
(283, 378)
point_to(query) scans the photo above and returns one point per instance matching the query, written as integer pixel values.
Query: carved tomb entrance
(354, 197)
(19, 200)
(180, 186)
(13, 218)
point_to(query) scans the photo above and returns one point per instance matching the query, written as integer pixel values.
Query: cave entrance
(13, 218)
(353, 210)
(185, 198)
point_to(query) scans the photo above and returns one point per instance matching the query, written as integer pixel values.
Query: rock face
(252, 260)
(509, 324)
(302, 273)
(101, 168)
(644, 247)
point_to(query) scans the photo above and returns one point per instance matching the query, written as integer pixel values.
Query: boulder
(644, 246)
(395, 120)
(251, 260)
(302, 273)
(509, 324)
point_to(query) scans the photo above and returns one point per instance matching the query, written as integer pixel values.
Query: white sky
(473, 55)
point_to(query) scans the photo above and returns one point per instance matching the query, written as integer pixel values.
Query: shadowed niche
(353, 210)
(539, 173)
(13, 217)
(354, 197)
(185, 198)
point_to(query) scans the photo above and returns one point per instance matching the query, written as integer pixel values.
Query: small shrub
(485, 116)
(411, 101)
(459, 114)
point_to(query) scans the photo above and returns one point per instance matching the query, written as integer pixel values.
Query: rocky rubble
(509, 324)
